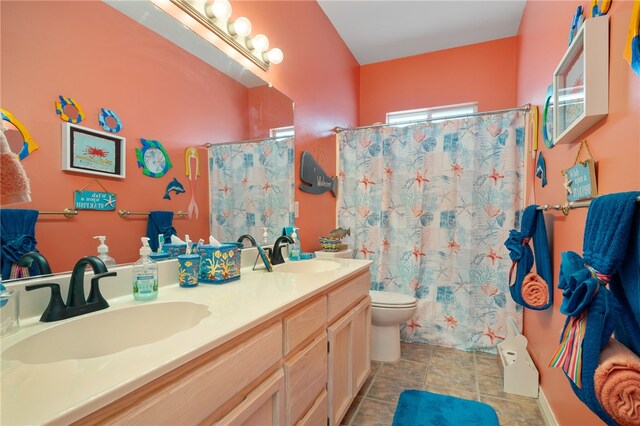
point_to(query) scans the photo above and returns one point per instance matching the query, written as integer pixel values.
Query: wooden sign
(94, 200)
(581, 181)
(314, 179)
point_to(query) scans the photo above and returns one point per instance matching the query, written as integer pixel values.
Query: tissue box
(221, 264)
(174, 250)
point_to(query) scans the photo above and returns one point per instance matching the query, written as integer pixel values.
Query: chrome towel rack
(68, 213)
(569, 205)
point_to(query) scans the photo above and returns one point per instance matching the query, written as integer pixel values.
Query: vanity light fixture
(215, 15)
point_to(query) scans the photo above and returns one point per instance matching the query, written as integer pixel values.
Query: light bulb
(260, 43)
(275, 56)
(220, 9)
(241, 27)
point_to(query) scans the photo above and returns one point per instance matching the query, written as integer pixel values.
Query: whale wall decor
(315, 179)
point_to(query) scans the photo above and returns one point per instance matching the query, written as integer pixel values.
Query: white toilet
(388, 311)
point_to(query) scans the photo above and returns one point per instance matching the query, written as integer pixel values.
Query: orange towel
(14, 184)
(617, 383)
(535, 290)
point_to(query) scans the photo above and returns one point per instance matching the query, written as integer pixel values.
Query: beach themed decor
(632, 46)
(188, 269)
(547, 118)
(174, 186)
(192, 170)
(153, 158)
(541, 169)
(418, 407)
(599, 8)
(580, 180)
(94, 200)
(89, 151)
(316, 180)
(69, 110)
(219, 264)
(109, 121)
(17, 135)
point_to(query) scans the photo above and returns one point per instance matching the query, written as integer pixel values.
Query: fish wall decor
(316, 180)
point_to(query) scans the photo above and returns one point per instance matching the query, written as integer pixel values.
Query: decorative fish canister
(339, 233)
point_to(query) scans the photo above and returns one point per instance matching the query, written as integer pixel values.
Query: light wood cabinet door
(362, 343)
(262, 406)
(317, 414)
(340, 384)
(306, 378)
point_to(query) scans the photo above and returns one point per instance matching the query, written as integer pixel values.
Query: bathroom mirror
(263, 106)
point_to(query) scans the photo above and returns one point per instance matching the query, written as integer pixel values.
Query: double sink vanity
(287, 347)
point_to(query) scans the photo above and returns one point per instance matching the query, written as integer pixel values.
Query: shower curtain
(432, 204)
(251, 187)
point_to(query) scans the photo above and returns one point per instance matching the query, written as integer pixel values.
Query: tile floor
(467, 375)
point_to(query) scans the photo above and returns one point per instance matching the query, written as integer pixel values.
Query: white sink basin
(107, 332)
(307, 266)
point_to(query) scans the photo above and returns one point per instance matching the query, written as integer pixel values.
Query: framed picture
(90, 151)
(581, 82)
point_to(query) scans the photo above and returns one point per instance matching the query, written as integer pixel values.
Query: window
(435, 113)
(281, 132)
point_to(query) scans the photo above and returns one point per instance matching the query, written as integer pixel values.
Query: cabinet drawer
(306, 378)
(346, 295)
(263, 406)
(194, 395)
(304, 323)
(317, 414)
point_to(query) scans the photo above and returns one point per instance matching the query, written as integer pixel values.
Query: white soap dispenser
(145, 274)
(103, 252)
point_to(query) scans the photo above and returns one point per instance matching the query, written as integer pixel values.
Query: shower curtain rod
(524, 108)
(209, 145)
(566, 206)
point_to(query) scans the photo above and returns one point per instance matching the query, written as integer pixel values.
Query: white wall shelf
(581, 82)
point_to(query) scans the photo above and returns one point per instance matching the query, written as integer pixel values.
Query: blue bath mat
(417, 407)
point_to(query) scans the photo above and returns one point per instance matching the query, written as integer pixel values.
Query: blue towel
(626, 287)
(520, 252)
(17, 237)
(583, 293)
(160, 222)
(584, 284)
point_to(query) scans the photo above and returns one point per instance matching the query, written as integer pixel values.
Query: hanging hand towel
(592, 309)
(17, 237)
(160, 222)
(537, 294)
(14, 184)
(627, 290)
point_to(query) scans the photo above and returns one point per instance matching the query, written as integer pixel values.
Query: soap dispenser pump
(295, 248)
(103, 252)
(145, 274)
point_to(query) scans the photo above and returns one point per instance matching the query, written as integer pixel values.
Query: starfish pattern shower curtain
(251, 187)
(432, 204)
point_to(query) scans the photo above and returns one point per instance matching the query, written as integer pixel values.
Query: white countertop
(66, 391)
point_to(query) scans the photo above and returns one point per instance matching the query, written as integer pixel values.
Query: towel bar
(566, 206)
(68, 213)
(125, 213)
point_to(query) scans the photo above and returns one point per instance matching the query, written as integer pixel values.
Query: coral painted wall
(483, 73)
(159, 95)
(614, 142)
(321, 76)
(101, 58)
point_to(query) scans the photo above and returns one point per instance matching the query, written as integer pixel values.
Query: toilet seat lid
(391, 299)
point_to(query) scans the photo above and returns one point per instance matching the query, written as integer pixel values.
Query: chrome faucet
(76, 302)
(276, 255)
